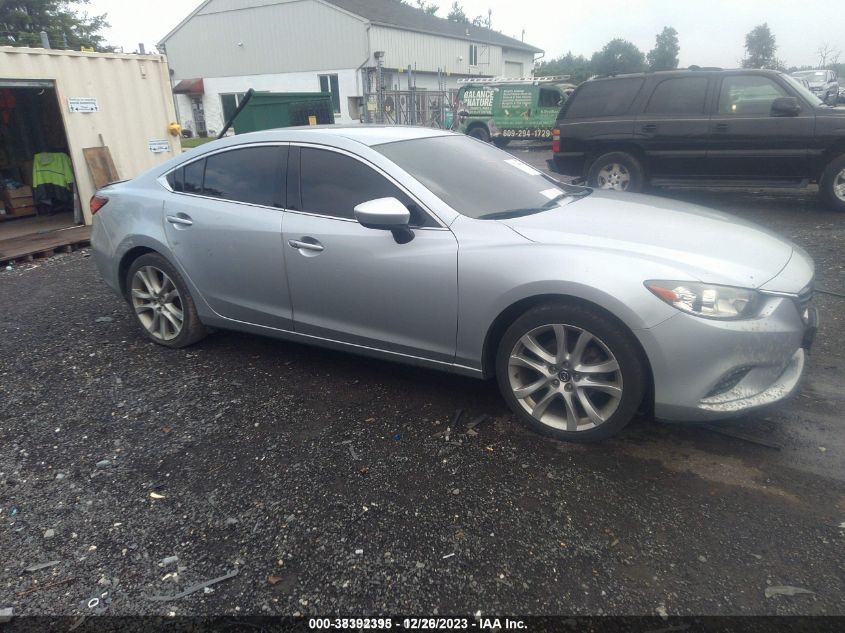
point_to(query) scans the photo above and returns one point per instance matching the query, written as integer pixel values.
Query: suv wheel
(568, 371)
(832, 184)
(480, 132)
(618, 171)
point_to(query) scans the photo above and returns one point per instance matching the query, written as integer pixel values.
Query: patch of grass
(188, 143)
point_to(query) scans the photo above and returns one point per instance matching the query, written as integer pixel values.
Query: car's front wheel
(161, 303)
(832, 184)
(571, 372)
(480, 132)
(618, 171)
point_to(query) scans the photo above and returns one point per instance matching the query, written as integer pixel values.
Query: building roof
(402, 16)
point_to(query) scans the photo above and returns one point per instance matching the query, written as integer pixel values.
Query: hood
(709, 246)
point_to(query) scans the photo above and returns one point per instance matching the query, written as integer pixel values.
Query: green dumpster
(268, 110)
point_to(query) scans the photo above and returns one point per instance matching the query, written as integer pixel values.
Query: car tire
(501, 142)
(161, 303)
(618, 171)
(539, 381)
(480, 132)
(832, 184)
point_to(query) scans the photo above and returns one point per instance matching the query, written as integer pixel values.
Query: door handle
(175, 219)
(306, 246)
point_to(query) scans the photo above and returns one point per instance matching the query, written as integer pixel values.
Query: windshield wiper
(551, 204)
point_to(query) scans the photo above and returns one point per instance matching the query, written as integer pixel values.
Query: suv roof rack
(696, 67)
(514, 80)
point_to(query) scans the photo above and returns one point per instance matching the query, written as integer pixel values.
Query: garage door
(513, 69)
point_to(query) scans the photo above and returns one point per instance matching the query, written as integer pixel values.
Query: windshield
(476, 179)
(805, 92)
(811, 75)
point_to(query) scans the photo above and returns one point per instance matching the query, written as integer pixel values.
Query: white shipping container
(121, 101)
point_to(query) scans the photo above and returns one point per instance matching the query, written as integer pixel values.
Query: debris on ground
(49, 585)
(103, 463)
(397, 436)
(6, 614)
(103, 319)
(274, 580)
(49, 533)
(353, 453)
(169, 560)
(195, 588)
(155, 495)
(476, 422)
(786, 590)
(40, 566)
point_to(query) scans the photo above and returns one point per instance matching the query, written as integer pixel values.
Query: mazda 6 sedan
(432, 248)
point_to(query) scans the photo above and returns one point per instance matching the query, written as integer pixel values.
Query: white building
(226, 47)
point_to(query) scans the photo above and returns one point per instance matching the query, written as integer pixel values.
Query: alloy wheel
(157, 303)
(839, 185)
(565, 377)
(613, 176)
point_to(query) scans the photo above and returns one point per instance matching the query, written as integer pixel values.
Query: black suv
(701, 127)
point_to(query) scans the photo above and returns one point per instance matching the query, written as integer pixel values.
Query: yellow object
(86, 49)
(175, 129)
(312, 120)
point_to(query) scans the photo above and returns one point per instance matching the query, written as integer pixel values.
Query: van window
(610, 97)
(550, 98)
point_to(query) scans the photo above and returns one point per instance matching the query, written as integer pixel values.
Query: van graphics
(479, 101)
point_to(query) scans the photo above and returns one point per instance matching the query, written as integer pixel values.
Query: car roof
(687, 71)
(363, 133)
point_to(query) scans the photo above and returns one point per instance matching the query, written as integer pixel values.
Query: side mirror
(785, 106)
(387, 214)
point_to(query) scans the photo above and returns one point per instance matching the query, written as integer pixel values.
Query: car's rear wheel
(501, 142)
(162, 305)
(618, 171)
(480, 132)
(569, 371)
(832, 184)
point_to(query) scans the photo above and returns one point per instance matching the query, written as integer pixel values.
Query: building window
(328, 83)
(473, 55)
(230, 103)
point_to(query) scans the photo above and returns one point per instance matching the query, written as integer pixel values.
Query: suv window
(682, 95)
(748, 94)
(610, 97)
(334, 184)
(251, 174)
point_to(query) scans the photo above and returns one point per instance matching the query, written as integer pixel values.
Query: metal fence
(415, 106)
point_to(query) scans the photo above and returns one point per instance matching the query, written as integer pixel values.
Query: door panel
(674, 127)
(232, 250)
(359, 286)
(746, 141)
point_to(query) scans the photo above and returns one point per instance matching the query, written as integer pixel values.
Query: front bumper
(707, 369)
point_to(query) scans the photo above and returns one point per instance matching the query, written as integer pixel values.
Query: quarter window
(251, 174)
(610, 97)
(685, 95)
(333, 184)
(748, 94)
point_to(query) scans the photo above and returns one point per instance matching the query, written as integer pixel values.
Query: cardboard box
(20, 192)
(30, 210)
(17, 198)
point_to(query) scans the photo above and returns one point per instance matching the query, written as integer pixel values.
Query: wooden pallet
(39, 245)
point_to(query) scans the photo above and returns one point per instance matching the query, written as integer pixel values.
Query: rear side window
(334, 184)
(683, 95)
(610, 97)
(193, 176)
(251, 174)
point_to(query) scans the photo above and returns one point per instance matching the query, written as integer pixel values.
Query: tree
(457, 14)
(21, 23)
(664, 55)
(427, 7)
(618, 56)
(576, 66)
(760, 48)
(828, 55)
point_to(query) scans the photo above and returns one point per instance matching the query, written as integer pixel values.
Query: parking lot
(324, 483)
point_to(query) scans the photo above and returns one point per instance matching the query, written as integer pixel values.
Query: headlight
(707, 300)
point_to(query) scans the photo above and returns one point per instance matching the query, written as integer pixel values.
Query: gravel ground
(334, 484)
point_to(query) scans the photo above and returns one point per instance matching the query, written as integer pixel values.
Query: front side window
(328, 83)
(684, 95)
(611, 97)
(334, 184)
(251, 174)
(748, 94)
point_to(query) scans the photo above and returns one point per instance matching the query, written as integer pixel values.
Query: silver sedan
(435, 249)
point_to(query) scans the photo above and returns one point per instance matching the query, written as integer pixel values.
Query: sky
(711, 32)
